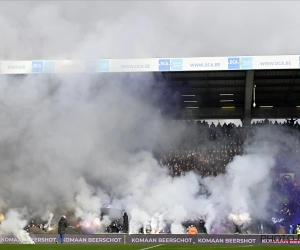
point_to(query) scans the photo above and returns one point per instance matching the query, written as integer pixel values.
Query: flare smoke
(13, 224)
(73, 143)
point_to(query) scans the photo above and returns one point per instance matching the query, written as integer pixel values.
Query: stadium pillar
(248, 97)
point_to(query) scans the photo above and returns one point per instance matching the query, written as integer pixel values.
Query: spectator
(202, 228)
(282, 229)
(193, 230)
(62, 225)
(125, 223)
(237, 228)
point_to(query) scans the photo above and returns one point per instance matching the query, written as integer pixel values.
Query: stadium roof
(210, 87)
(230, 94)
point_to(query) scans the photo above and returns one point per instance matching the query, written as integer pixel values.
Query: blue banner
(164, 64)
(176, 65)
(170, 64)
(103, 66)
(235, 63)
(37, 66)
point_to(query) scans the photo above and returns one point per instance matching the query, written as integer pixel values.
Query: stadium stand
(215, 146)
(243, 88)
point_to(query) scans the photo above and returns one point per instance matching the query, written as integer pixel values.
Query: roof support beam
(248, 96)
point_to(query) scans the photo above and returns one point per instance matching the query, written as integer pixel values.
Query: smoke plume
(70, 144)
(13, 224)
(48, 224)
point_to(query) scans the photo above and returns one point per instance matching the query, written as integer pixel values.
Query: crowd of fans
(115, 226)
(212, 147)
(208, 151)
(35, 227)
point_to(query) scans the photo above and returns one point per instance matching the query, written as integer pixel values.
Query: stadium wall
(161, 239)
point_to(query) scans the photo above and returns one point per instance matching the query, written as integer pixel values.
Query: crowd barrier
(227, 239)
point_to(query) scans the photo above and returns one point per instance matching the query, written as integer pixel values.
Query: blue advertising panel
(170, 64)
(246, 63)
(164, 64)
(235, 63)
(103, 66)
(176, 65)
(37, 66)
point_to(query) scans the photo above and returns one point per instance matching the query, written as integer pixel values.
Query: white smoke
(105, 220)
(177, 228)
(234, 195)
(242, 218)
(157, 223)
(88, 207)
(161, 222)
(74, 143)
(86, 141)
(48, 224)
(140, 219)
(154, 224)
(14, 224)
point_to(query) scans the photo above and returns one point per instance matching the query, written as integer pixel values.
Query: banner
(16, 67)
(276, 62)
(151, 64)
(205, 63)
(174, 64)
(192, 239)
(71, 239)
(236, 63)
(225, 239)
(68, 66)
(133, 65)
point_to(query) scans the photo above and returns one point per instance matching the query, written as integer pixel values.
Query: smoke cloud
(49, 220)
(14, 224)
(75, 143)
(118, 29)
(71, 144)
